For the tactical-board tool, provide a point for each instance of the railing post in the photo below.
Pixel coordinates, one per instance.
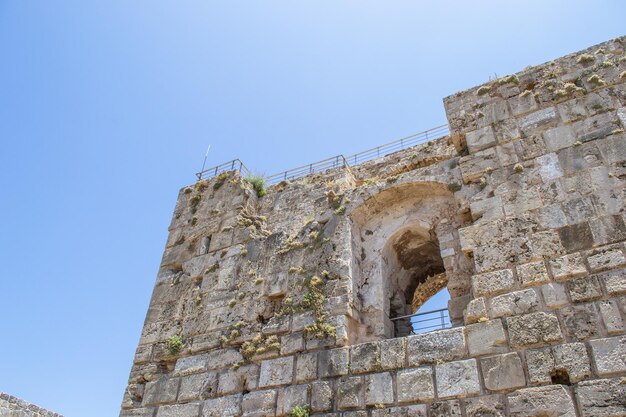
(443, 323)
(215, 171)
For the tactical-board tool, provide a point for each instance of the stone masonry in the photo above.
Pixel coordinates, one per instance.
(282, 304)
(11, 406)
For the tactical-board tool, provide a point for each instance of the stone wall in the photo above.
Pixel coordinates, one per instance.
(11, 406)
(266, 306)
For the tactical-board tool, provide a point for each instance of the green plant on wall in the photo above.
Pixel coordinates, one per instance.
(258, 184)
(174, 344)
(300, 411)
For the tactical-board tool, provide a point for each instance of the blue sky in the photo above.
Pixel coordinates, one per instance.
(107, 107)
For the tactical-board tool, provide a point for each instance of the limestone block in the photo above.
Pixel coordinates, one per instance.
(532, 273)
(333, 362)
(514, 303)
(134, 412)
(160, 391)
(485, 338)
(291, 397)
(488, 405)
(547, 243)
(567, 267)
(415, 384)
(190, 365)
(222, 358)
(276, 372)
(554, 295)
(602, 398)
(578, 209)
(480, 139)
(611, 316)
(571, 110)
(197, 386)
(533, 328)
(552, 400)
(537, 119)
(487, 209)
(451, 408)
(306, 367)
(349, 393)
(321, 396)
(584, 289)
(233, 381)
(418, 410)
(378, 389)
(291, 343)
(507, 154)
(276, 285)
(522, 104)
(457, 379)
(581, 321)
(607, 229)
(476, 310)
(179, 410)
(259, 403)
(576, 237)
(549, 167)
(442, 345)
(609, 355)
(222, 406)
(567, 363)
(607, 259)
(392, 353)
(476, 165)
(559, 138)
(365, 358)
(503, 372)
(614, 282)
(492, 283)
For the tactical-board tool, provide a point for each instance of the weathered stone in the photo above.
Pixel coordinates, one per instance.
(190, 365)
(197, 386)
(222, 406)
(533, 328)
(476, 310)
(552, 400)
(537, 119)
(584, 289)
(503, 372)
(581, 321)
(602, 398)
(163, 390)
(291, 397)
(607, 259)
(392, 353)
(415, 385)
(567, 267)
(492, 283)
(419, 410)
(365, 358)
(321, 396)
(576, 237)
(559, 138)
(179, 410)
(333, 362)
(614, 282)
(609, 355)
(306, 367)
(436, 346)
(234, 381)
(276, 372)
(562, 364)
(259, 403)
(485, 406)
(518, 302)
(457, 379)
(480, 139)
(349, 393)
(554, 295)
(378, 389)
(533, 273)
(611, 317)
(485, 338)
(451, 408)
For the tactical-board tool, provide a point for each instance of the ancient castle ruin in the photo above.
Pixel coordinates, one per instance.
(292, 300)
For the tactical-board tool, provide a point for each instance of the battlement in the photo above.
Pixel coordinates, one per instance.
(291, 301)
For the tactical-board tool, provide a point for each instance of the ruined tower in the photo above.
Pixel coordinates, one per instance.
(292, 300)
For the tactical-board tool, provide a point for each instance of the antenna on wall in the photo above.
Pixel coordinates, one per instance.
(206, 155)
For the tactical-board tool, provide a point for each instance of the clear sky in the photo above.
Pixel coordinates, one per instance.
(107, 107)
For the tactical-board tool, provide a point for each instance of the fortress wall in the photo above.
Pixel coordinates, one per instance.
(285, 301)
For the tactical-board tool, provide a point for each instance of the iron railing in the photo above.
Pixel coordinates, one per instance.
(234, 165)
(335, 161)
(432, 320)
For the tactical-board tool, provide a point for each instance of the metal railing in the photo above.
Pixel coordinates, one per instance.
(335, 161)
(234, 165)
(433, 320)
